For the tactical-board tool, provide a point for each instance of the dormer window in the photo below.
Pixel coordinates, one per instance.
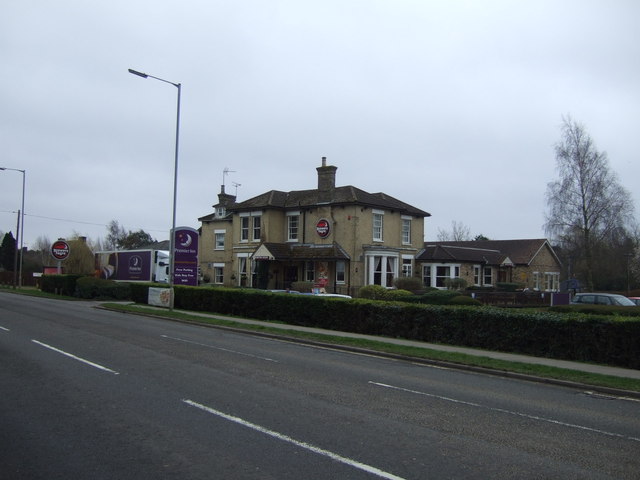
(221, 212)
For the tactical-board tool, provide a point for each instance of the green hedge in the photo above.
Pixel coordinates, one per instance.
(598, 310)
(89, 287)
(60, 284)
(101, 289)
(443, 297)
(603, 339)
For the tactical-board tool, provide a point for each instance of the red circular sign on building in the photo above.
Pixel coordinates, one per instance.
(60, 250)
(323, 228)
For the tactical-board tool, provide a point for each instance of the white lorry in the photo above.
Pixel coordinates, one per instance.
(133, 265)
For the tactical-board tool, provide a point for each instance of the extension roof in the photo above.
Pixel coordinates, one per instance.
(453, 253)
(519, 252)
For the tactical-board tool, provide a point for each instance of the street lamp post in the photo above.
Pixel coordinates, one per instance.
(21, 222)
(175, 183)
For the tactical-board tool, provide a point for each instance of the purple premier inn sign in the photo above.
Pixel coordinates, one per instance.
(185, 269)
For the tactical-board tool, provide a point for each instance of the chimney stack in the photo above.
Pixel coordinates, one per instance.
(326, 181)
(225, 199)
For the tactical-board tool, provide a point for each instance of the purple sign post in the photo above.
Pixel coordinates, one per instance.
(185, 263)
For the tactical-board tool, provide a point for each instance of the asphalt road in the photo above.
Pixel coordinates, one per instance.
(93, 394)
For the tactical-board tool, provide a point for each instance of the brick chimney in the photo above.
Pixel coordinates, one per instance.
(326, 181)
(225, 199)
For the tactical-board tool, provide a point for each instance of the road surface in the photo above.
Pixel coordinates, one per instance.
(88, 393)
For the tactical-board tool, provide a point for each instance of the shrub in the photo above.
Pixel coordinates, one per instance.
(411, 284)
(455, 283)
(397, 295)
(597, 310)
(91, 287)
(372, 292)
(438, 297)
(60, 284)
(464, 300)
(139, 292)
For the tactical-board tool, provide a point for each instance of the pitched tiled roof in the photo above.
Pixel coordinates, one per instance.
(211, 217)
(453, 253)
(301, 252)
(519, 251)
(341, 196)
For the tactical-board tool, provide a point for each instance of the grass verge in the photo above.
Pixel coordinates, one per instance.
(34, 292)
(543, 371)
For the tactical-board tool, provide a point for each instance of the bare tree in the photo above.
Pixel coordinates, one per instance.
(115, 235)
(42, 245)
(120, 239)
(586, 204)
(459, 233)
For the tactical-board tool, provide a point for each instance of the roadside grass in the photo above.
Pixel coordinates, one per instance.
(34, 292)
(454, 358)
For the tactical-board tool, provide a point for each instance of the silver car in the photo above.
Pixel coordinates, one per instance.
(601, 299)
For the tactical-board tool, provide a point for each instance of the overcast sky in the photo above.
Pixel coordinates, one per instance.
(451, 106)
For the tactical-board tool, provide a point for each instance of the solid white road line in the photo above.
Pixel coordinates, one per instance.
(510, 412)
(220, 348)
(306, 446)
(95, 365)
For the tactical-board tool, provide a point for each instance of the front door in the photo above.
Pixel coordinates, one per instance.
(290, 275)
(262, 274)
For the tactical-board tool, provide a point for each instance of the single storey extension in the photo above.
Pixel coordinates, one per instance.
(532, 264)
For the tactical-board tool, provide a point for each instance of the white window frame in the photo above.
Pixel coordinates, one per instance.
(243, 260)
(378, 225)
(443, 272)
(477, 279)
(218, 273)
(218, 234)
(426, 274)
(406, 230)
(430, 277)
(341, 268)
(256, 226)
(244, 227)
(250, 224)
(407, 266)
(309, 271)
(293, 231)
(487, 273)
(382, 267)
(551, 281)
(536, 281)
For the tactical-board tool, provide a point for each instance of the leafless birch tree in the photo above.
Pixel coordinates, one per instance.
(587, 202)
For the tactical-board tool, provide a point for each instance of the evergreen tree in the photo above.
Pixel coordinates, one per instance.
(8, 252)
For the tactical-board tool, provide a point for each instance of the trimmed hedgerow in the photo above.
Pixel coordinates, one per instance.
(99, 288)
(605, 339)
(60, 284)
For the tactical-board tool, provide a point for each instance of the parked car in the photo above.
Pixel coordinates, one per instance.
(602, 299)
(335, 295)
(635, 300)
